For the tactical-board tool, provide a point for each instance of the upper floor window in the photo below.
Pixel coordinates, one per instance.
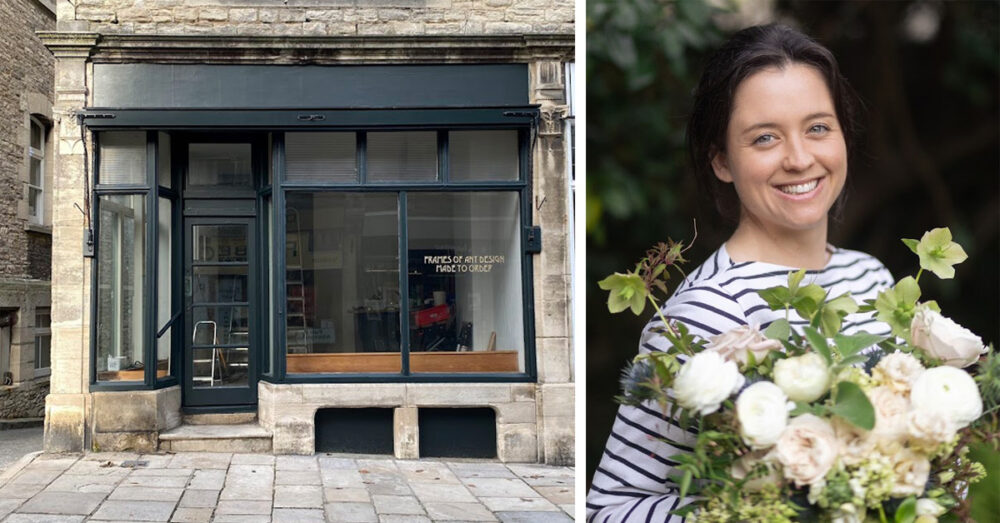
(36, 172)
(43, 338)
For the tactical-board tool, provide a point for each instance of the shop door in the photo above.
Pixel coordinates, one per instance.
(220, 345)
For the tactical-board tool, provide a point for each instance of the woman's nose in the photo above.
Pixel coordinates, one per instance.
(797, 156)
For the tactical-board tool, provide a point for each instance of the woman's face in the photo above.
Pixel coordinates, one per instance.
(785, 152)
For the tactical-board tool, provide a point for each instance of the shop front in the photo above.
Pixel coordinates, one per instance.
(301, 241)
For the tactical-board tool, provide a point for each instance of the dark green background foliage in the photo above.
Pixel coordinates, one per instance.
(929, 154)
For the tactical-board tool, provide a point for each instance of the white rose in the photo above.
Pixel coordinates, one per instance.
(948, 391)
(929, 507)
(802, 378)
(911, 471)
(897, 371)
(944, 339)
(762, 410)
(734, 344)
(890, 412)
(855, 443)
(929, 428)
(705, 381)
(807, 449)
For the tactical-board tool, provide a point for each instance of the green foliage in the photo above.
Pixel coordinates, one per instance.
(852, 405)
(937, 252)
(625, 291)
(896, 306)
(907, 511)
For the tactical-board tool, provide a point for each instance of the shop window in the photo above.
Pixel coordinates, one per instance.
(402, 157)
(121, 270)
(164, 287)
(321, 157)
(219, 165)
(36, 172)
(43, 339)
(464, 282)
(482, 156)
(122, 158)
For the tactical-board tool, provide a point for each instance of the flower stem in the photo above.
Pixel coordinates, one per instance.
(659, 313)
(881, 514)
(921, 271)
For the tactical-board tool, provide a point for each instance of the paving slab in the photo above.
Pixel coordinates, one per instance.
(201, 460)
(155, 481)
(199, 499)
(249, 482)
(83, 483)
(75, 503)
(8, 505)
(519, 504)
(499, 487)
(298, 496)
(397, 505)
(192, 515)
(146, 494)
(297, 515)
(296, 477)
(42, 518)
(296, 463)
(436, 492)
(533, 517)
(341, 494)
(241, 519)
(243, 508)
(557, 495)
(341, 478)
(252, 459)
(459, 512)
(20, 491)
(132, 511)
(351, 513)
(396, 518)
(207, 480)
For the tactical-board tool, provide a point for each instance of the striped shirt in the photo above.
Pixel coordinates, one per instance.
(631, 482)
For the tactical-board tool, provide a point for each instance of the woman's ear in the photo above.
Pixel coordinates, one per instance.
(721, 166)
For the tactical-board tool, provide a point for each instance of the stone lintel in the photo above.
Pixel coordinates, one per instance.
(323, 49)
(65, 44)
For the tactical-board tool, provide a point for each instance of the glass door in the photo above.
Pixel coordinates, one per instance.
(220, 351)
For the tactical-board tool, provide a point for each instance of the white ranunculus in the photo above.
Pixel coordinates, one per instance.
(911, 470)
(705, 381)
(890, 413)
(735, 343)
(929, 507)
(944, 339)
(948, 391)
(929, 428)
(762, 410)
(807, 449)
(897, 371)
(802, 378)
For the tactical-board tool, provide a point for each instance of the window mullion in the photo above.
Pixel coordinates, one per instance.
(404, 289)
(150, 296)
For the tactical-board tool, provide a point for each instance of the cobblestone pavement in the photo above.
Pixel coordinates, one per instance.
(203, 487)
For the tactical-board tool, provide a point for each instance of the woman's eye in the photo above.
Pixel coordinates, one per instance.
(819, 128)
(764, 139)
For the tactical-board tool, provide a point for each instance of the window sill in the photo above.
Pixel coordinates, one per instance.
(47, 371)
(35, 227)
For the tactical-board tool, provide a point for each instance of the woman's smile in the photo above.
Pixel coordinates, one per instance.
(799, 191)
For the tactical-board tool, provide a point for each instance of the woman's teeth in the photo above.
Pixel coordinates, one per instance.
(801, 188)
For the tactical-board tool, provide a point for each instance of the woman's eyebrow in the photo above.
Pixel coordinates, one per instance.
(768, 125)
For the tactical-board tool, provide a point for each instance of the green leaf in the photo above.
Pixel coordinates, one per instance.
(896, 306)
(939, 254)
(778, 330)
(850, 345)
(851, 360)
(908, 290)
(794, 279)
(833, 312)
(818, 342)
(807, 300)
(853, 406)
(685, 483)
(806, 408)
(912, 244)
(776, 297)
(907, 510)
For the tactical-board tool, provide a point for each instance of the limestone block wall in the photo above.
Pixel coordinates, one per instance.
(25, 400)
(318, 17)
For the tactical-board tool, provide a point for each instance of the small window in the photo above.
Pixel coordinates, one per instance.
(321, 157)
(123, 158)
(482, 156)
(402, 156)
(36, 172)
(43, 337)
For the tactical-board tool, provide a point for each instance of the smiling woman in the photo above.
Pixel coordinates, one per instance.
(770, 136)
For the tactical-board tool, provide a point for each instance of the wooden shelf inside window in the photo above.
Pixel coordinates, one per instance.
(389, 362)
(132, 375)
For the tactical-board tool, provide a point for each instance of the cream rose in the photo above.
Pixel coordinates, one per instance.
(802, 378)
(911, 471)
(762, 410)
(705, 381)
(890, 412)
(897, 371)
(855, 443)
(734, 344)
(950, 392)
(944, 339)
(742, 467)
(929, 428)
(807, 449)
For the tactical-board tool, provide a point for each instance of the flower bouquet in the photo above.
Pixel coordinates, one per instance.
(815, 424)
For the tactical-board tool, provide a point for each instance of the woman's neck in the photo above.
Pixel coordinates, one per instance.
(753, 241)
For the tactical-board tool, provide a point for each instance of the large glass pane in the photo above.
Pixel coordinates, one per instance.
(466, 308)
(482, 156)
(221, 284)
(219, 165)
(221, 325)
(35, 175)
(36, 134)
(321, 157)
(402, 156)
(342, 282)
(123, 158)
(163, 173)
(220, 243)
(121, 271)
(164, 288)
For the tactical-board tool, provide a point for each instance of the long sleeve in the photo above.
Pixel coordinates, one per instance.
(632, 482)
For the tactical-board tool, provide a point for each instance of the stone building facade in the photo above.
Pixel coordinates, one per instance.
(26, 96)
(463, 101)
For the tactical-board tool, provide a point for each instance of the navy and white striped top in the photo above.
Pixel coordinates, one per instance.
(631, 483)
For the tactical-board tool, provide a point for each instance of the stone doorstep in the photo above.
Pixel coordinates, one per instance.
(226, 418)
(244, 437)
